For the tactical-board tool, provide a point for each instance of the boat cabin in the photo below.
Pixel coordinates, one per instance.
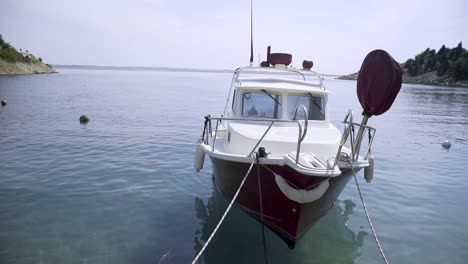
(265, 109)
(278, 98)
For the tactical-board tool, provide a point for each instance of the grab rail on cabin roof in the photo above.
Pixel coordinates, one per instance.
(286, 70)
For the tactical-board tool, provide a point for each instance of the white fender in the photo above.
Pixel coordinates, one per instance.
(369, 171)
(199, 156)
(301, 196)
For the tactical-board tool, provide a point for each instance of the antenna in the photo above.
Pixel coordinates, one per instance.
(251, 33)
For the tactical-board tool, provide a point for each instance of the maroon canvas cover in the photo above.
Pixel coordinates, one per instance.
(379, 82)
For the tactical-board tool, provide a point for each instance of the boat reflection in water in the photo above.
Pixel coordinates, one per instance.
(239, 239)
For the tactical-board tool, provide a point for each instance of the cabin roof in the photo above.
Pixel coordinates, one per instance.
(281, 84)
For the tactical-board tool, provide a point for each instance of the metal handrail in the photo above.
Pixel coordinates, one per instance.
(254, 119)
(286, 70)
(301, 137)
(344, 138)
(349, 132)
(238, 70)
(216, 134)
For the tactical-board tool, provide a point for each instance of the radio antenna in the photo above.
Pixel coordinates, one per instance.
(251, 33)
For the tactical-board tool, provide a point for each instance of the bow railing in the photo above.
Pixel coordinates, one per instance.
(207, 131)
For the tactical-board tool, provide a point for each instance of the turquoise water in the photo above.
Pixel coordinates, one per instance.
(122, 188)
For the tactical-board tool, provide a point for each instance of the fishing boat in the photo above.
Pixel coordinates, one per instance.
(276, 148)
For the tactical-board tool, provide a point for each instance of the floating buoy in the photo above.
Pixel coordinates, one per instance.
(446, 144)
(199, 156)
(84, 119)
(4, 102)
(369, 170)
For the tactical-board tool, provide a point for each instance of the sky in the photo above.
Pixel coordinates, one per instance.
(210, 34)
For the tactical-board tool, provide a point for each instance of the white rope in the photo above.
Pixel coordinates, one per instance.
(224, 215)
(368, 217)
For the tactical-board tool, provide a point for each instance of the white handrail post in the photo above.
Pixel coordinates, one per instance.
(301, 137)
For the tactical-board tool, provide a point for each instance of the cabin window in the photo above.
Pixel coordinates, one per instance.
(233, 99)
(261, 104)
(315, 106)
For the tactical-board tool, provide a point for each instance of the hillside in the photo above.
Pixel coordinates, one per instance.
(13, 61)
(444, 67)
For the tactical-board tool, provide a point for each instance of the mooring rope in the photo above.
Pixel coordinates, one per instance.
(224, 215)
(368, 217)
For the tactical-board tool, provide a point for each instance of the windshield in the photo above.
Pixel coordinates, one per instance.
(261, 104)
(315, 106)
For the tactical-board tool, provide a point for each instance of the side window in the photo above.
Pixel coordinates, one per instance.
(233, 100)
(315, 106)
(261, 104)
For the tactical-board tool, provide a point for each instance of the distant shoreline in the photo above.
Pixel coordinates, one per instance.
(131, 68)
(429, 78)
(167, 69)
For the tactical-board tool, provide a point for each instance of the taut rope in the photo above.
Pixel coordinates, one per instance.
(224, 215)
(368, 217)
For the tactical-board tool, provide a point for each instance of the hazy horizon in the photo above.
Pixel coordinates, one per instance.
(216, 35)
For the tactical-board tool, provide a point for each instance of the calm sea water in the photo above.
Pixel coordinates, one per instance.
(122, 189)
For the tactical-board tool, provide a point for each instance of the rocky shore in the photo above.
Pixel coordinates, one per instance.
(16, 68)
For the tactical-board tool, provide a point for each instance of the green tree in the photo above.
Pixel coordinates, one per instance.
(442, 51)
(26, 59)
(10, 54)
(442, 68)
(446, 61)
(465, 70)
(458, 68)
(431, 64)
(412, 67)
(460, 50)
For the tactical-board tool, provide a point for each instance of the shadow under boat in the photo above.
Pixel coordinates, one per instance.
(239, 239)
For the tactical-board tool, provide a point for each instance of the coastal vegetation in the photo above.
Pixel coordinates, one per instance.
(447, 66)
(10, 54)
(452, 63)
(13, 61)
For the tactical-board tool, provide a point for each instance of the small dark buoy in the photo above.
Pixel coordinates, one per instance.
(446, 144)
(4, 102)
(84, 119)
